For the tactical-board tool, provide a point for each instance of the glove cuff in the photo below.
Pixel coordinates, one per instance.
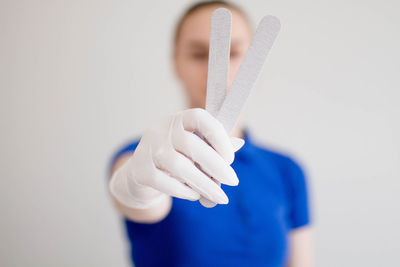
(132, 194)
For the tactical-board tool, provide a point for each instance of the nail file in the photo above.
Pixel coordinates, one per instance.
(218, 67)
(218, 59)
(227, 107)
(248, 72)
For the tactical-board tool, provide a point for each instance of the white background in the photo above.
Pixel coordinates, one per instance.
(80, 78)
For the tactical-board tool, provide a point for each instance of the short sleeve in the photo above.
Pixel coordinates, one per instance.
(298, 198)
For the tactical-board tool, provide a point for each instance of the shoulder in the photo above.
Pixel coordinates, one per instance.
(286, 163)
(288, 167)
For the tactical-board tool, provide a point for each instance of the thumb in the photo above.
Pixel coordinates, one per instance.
(237, 143)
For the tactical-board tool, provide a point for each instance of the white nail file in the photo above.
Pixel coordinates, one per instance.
(218, 59)
(227, 107)
(248, 72)
(218, 67)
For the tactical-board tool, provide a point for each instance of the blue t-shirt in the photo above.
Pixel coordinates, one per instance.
(251, 230)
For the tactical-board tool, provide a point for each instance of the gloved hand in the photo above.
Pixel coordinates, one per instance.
(177, 157)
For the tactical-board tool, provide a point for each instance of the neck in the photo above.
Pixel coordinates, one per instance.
(238, 131)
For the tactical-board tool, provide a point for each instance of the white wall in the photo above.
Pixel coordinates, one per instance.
(78, 78)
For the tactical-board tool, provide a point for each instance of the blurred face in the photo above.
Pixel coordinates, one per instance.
(191, 52)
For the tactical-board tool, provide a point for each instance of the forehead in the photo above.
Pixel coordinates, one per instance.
(196, 27)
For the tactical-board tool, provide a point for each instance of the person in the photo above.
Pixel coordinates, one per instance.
(263, 220)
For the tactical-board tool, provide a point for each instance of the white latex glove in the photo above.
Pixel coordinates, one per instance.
(173, 160)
